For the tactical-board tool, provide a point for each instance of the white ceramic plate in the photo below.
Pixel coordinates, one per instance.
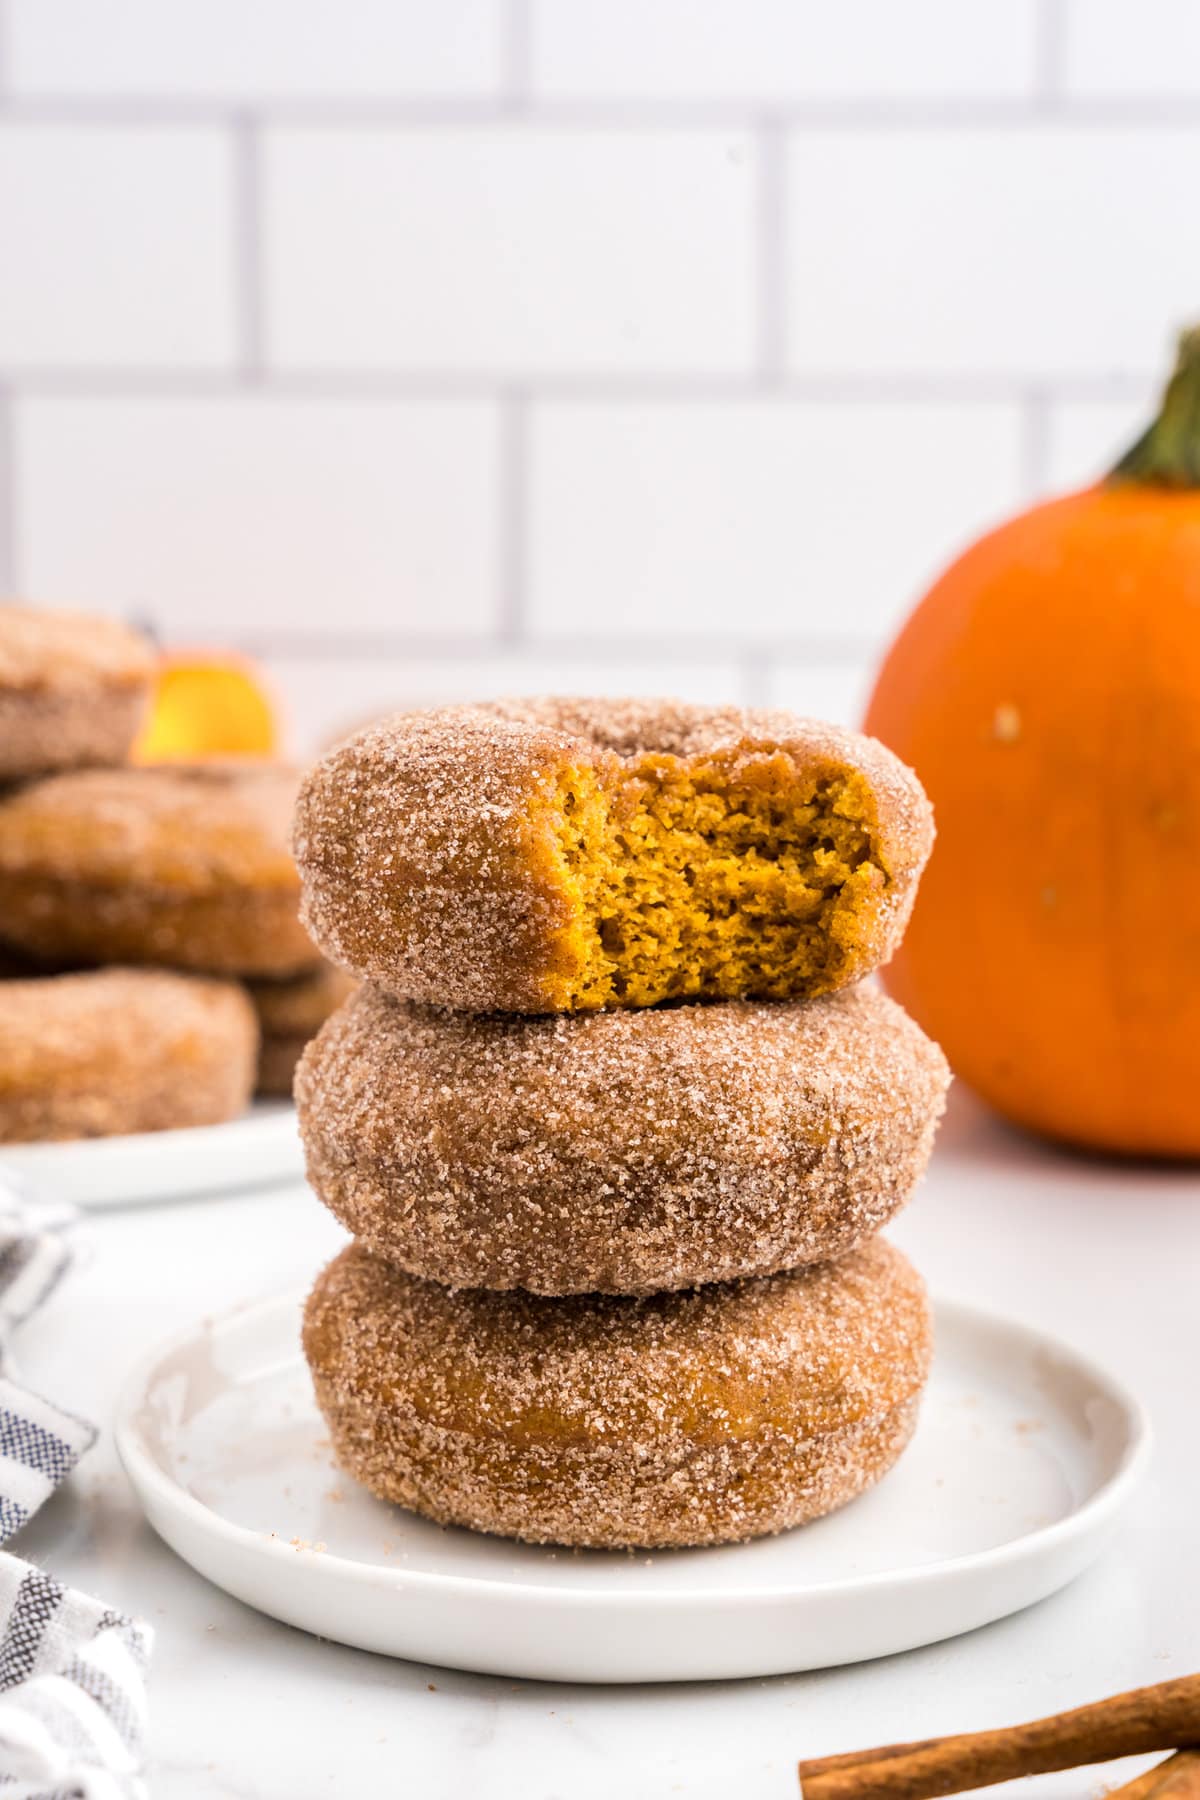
(1025, 1455)
(256, 1150)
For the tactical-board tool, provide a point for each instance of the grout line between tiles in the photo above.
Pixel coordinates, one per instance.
(1050, 54)
(829, 652)
(8, 497)
(960, 112)
(512, 516)
(1034, 452)
(771, 252)
(383, 385)
(248, 248)
(517, 76)
(755, 676)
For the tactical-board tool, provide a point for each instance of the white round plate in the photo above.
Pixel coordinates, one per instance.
(260, 1148)
(1025, 1455)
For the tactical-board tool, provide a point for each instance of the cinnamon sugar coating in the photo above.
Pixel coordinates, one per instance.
(184, 867)
(290, 1013)
(560, 855)
(73, 689)
(122, 1050)
(703, 1417)
(625, 1151)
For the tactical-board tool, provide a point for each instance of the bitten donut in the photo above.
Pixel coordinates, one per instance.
(121, 1050)
(624, 1151)
(567, 855)
(290, 1013)
(696, 1418)
(186, 867)
(72, 690)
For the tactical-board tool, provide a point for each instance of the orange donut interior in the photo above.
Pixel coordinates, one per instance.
(709, 877)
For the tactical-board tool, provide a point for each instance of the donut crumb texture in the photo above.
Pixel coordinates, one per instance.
(556, 855)
(698, 879)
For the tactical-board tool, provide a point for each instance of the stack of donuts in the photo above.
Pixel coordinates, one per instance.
(614, 1118)
(136, 904)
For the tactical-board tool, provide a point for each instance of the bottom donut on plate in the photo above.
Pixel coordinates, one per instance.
(699, 1417)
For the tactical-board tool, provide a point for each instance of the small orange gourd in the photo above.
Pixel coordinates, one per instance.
(1047, 692)
(207, 704)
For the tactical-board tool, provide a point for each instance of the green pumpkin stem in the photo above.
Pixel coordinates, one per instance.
(1168, 452)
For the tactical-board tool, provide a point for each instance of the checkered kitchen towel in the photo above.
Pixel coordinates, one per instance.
(72, 1671)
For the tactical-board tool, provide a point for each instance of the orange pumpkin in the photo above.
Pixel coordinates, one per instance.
(207, 704)
(1047, 691)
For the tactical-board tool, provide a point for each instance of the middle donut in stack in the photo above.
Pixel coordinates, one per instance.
(613, 1281)
(618, 1152)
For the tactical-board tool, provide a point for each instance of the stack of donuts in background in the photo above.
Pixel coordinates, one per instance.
(613, 1118)
(134, 903)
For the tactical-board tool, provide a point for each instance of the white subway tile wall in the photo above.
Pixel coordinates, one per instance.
(117, 246)
(519, 251)
(1089, 436)
(1156, 55)
(432, 351)
(367, 686)
(263, 514)
(755, 520)
(779, 50)
(257, 49)
(1046, 252)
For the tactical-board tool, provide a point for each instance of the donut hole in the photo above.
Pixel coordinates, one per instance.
(712, 878)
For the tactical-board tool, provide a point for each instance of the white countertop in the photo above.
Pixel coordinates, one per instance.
(246, 1709)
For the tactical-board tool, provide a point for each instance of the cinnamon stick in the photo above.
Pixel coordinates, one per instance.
(1164, 1717)
(1178, 1778)
(1144, 1785)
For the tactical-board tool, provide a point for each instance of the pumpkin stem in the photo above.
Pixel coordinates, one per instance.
(1168, 453)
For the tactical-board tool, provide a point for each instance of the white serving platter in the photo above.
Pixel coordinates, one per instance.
(257, 1150)
(1025, 1456)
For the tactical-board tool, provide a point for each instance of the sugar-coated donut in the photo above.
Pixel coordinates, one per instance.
(72, 690)
(291, 1010)
(565, 855)
(185, 867)
(691, 1418)
(122, 1050)
(621, 1151)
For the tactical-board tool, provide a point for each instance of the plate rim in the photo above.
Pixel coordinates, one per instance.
(146, 1475)
(176, 1136)
(260, 1148)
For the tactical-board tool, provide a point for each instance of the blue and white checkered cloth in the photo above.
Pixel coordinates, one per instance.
(72, 1671)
